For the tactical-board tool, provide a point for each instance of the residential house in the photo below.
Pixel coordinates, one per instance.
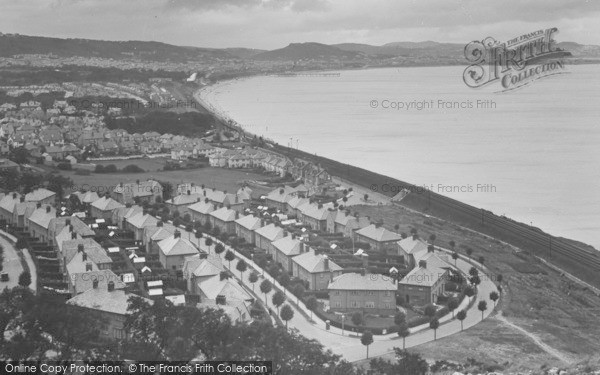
(246, 226)
(7, 207)
(377, 236)
(316, 270)
(137, 223)
(121, 214)
(367, 293)
(109, 305)
(41, 195)
(316, 216)
(224, 219)
(84, 281)
(21, 212)
(412, 249)
(140, 191)
(265, 236)
(103, 208)
(200, 211)
(196, 269)
(426, 282)
(181, 202)
(39, 223)
(286, 248)
(173, 251)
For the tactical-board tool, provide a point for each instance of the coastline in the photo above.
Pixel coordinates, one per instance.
(201, 95)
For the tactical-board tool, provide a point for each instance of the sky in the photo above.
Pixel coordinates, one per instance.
(271, 24)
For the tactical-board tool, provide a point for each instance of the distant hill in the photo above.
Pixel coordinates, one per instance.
(305, 51)
(415, 52)
(244, 53)
(14, 44)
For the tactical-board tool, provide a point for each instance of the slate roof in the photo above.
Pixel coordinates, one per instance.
(355, 281)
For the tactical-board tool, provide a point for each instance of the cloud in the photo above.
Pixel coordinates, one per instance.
(275, 23)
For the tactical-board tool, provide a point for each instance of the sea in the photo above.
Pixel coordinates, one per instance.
(531, 154)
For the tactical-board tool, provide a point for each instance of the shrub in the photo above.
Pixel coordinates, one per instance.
(64, 166)
(132, 168)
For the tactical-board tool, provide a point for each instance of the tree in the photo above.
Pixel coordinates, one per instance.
(403, 332)
(452, 305)
(461, 315)
(266, 287)
(481, 259)
(469, 291)
(208, 242)
(499, 278)
(432, 238)
(253, 278)
(399, 318)
(452, 245)
(219, 248)
(357, 318)
(396, 227)
(482, 306)
(494, 297)
(229, 256)
(434, 324)
(367, 339)
(286, 314)
(430, 310)
(25, 279)
(198, 236)
(242, 267)
(299, 291)
(469, 252)
(473, 271)
(311, 304)
(430, 248)
(278, 299)
(475, 280)
(455, 257)
(366, 197)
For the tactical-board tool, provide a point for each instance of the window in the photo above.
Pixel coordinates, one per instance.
(370, 305)
(118, 333)
(371, 292)
(388, 306)
(322, 275)
(337, 292)
(338, 304)
(387, 293)
(354, 304)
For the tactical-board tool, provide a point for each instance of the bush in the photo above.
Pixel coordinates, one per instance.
(132, 168)
(64, 166)
(111, 168)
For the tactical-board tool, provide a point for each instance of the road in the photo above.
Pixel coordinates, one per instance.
(350, 347)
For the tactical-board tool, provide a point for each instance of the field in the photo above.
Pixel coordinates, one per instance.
(219, 178)
(563, 315)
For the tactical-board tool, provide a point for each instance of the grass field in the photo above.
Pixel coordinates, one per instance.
(219, 178)
(564, 315)
(489, 342)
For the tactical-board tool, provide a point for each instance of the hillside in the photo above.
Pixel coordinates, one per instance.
(14, 44)
(308, 51)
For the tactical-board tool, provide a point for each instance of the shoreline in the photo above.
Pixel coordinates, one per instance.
(225, 119)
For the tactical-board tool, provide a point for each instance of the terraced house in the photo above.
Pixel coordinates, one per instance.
(246, 226)
(266, 235)
(316, 270)
(224, 219)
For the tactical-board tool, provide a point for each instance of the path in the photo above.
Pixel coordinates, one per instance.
(12, 263)
(545, 347)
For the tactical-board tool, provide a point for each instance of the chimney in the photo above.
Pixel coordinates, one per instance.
(95, 284)
(111, 286)
(302, 248)
(14, 195)
(237, 215)
(197, 199)
(285, 233)
(177, 234)
(88, 266)
(293, 236)
(22, 199)
(363, 272)
(84, 258)
(205, 193)
(189, 192)
(414, 237)
(326, 263)
(38, 205)
(73, 235)
(68, 222)
(70, 228)
(205, 199)
(160, 223)
(80, 248)
(221, 300)
(365, 260)
(320, 205)
(422, 264)
(48, 208)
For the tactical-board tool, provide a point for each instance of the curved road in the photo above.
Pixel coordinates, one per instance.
(350, 347)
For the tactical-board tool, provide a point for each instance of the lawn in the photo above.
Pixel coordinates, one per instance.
(219, 178)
